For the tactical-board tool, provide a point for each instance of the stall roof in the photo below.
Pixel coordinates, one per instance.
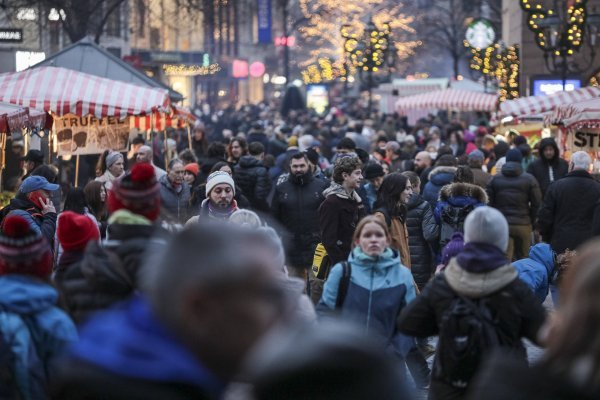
(86, 56)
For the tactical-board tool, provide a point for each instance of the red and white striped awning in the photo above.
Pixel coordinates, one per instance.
(64, 91)
(540, 104)
(158, 121)
(14, 118)
(582, 114)
(448, 99)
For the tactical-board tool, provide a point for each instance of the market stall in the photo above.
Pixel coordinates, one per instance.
(448, 99)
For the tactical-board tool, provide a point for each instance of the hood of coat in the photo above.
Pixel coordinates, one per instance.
(104, 270)
(545, 143)
(543, 254)
(459, 189)
(25, 295)
(442, 175)
(388, 259)
(339, 191)
(129, 341)
(414, 201)
(249, 162)
(512, 169)
(477, 285)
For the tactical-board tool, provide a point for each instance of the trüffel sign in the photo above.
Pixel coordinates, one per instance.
(588, 140)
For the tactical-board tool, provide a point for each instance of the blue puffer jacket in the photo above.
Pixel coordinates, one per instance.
(34, 330)
(380, 287)
(438, 178)
(537, 270)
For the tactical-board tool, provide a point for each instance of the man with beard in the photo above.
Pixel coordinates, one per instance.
(296, 205)
(175, 193)
(423, 167)
(219, 203)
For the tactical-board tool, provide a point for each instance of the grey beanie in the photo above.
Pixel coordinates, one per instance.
(487, 225)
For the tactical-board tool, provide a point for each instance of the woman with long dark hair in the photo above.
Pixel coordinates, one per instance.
(95, 196)
(237, 148)
(392, 196)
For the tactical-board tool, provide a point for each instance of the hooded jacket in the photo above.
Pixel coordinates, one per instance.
(253, 178)
(126, 353)
(511, 302)
(516, 194)
(380, 287)
(460, 195)
(540, 168)
(423, 232)
(40, 223)
(34, 331)
(438, 177)
(537, 270)
(339, 214)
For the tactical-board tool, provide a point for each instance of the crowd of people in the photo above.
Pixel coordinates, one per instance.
(305, 257)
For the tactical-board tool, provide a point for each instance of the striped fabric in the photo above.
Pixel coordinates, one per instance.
(582, 114)
(158, 121)
(14, 118)
(540, 104)
(448, 99)
(63, 91)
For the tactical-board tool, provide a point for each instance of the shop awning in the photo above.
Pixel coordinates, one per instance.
(582, 114)
(63, 91)
(158, 121)
(448, 99)
(539, 104)
(14, 118)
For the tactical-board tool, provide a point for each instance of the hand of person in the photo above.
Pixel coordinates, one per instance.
(47, 206)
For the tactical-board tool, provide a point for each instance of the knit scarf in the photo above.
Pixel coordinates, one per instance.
(481, 257)
(220, 214)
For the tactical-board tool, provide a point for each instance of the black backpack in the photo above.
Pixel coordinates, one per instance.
(344, 285)
(452, 220)
(468, 331)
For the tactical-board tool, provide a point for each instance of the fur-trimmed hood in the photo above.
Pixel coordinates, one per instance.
(460, 189)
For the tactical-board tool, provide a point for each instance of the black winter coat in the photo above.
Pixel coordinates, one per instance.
(423, 233)
(296, 205)
(253, 178)
(516, 194)
(565, 219)
(540, 168)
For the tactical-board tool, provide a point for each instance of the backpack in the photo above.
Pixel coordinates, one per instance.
(344, 285)
(452, 220)
(467, 332)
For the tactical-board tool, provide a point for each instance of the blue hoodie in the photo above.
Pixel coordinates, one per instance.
(35, 330)
(128, 341)
(379, 288)
(537, 270)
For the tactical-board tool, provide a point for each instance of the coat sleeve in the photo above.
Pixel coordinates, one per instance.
(263, 184)
(418, 317)
(429, 225)
(328, 223)
(535, 198)
(545, 217)
(275, 205)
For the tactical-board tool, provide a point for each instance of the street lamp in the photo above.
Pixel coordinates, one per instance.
(561, 32)
(367, 53)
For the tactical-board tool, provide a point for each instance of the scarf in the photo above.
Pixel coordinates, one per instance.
(220, 214)
(339, 191)
(481, 257)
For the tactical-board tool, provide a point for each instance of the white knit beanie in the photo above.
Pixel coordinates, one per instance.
(217, 178)
(487, 225)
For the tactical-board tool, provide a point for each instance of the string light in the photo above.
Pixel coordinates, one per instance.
(191, 70)
(501, 65)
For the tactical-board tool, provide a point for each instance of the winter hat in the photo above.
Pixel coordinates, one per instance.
(112, 158)
(476, 155)
(453, 247)
(75, 231)
(514, 155)
(487, 225)
(23, 250)
(519, 140)
(292, 141)
(193, 168)
(217, 178)
(373, 170)
(137, 191)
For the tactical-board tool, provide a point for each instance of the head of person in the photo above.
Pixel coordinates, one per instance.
(464, 175)
(391, 150)
(548, 149)
(487, 225)
(199, 133)
(475, 159)
(222, 166)
(373, 172)
(313, 158)
(415, 181)
(114, 163)
(33, 159)
(50, 172)
(215, 287)
(514, 155)
(386, 167)
(394, 193)
(75, 231)
(137, 191)
(217, 150)
(95, 196)
(422, 161)
(371, 236)
(580, 160)
(237, 148)
(76, 201)
(446, 160)
(345, 146)
(144, 154)
(256, 150)
(175, 172)
(347, 172)
(23, 251)
(220, 189)
(299, 166)
(190, 172)
(37, 190)
(187, 156)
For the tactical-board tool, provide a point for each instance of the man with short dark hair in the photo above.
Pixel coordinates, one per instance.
(296, 204)
(175, 193)
(252, 177)
(33, 159)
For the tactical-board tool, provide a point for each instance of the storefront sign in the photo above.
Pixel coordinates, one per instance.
(550, 86)
(264, 21)
(90, 135)
(239, 69)
(588, 140)
(9, 35)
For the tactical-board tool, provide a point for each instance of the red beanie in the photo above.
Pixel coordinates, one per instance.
(23, 250)
(137, 191)
(194, 168)
(75, 231)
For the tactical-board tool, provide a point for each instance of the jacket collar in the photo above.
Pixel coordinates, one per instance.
(579, 173)
(478, 285)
